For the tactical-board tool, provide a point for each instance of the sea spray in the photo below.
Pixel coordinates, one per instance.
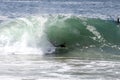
(25, 35)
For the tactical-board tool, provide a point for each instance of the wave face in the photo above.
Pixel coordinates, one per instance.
(44, 34)
(83, 31)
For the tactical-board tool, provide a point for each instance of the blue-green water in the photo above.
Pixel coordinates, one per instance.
(30, 48)
(59, 40)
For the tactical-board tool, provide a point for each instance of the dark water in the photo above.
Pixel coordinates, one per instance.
(90, 8)
(32, 32)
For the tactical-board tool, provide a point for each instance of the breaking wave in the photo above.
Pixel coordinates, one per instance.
(46, 34)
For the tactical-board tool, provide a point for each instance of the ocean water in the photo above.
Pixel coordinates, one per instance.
(59, 40)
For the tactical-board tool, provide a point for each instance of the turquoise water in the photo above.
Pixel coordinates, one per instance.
(45, 34)
(59, 40)
(30, 48)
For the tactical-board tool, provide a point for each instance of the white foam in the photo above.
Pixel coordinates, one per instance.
(9, 78)
(95, 32)
(27, 31)
(3, 17)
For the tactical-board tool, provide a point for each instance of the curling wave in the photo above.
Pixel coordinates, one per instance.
(46, 34)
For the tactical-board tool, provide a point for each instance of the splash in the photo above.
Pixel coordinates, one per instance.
(24, 36)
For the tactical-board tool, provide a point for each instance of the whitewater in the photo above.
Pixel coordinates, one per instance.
(59, 40)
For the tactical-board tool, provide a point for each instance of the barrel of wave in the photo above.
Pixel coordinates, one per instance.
(73, 31)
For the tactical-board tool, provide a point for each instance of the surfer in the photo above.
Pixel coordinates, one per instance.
(63, 45)
(118, 20)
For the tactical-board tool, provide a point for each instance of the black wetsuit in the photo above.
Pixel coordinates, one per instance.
(118, 20)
